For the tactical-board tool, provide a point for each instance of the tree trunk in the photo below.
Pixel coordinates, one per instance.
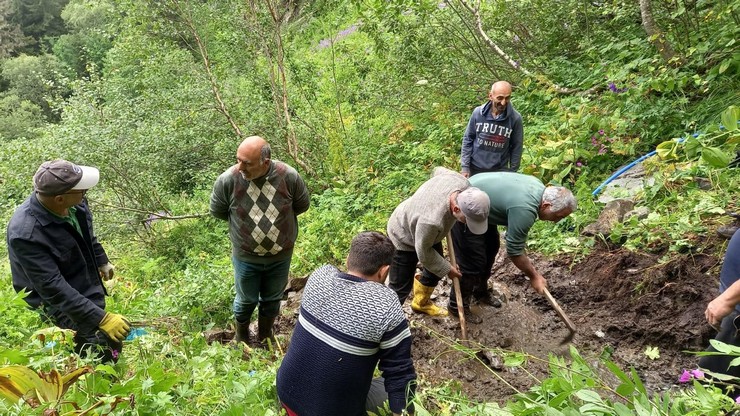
(656, 36)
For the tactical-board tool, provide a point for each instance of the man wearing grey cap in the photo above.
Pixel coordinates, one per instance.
(55, 256)
(419, 224)
(517, 201)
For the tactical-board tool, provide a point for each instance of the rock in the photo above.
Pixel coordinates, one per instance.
(297, 283)
(612, 214)
(494, 361)
(640, 212)
(627, 185)
(468, 375)
(506, 342)
(500, 292)
(703, 183)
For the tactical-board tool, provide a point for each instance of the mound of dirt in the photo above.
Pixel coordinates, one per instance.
(621, 303)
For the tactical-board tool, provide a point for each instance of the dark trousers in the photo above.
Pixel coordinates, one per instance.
(376, 398)
(402, 273)
(475, 255)
(88, 339)
(728, 333)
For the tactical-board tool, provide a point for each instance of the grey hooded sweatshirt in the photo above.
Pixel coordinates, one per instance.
(492, 144)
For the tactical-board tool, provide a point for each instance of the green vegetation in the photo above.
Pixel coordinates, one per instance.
(363, 97)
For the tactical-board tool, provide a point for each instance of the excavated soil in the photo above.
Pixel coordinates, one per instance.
(620, 302)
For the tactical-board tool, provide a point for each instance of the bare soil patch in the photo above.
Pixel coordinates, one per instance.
(620, 302)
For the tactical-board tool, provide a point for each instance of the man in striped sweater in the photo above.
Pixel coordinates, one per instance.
(349, 323)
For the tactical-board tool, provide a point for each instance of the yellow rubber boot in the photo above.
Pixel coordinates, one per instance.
(421, 302)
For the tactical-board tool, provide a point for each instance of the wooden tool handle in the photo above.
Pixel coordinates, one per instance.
(559, 310)
(456, 285)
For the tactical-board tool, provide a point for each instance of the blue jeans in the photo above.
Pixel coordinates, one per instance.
(261, 284)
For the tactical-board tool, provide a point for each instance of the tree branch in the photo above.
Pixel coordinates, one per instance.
(203, 51)
(475, 11)
(281, 101)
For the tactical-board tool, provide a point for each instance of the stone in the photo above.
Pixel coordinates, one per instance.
(703, 183)
(612, 214)
(627, 185)
(640, 212)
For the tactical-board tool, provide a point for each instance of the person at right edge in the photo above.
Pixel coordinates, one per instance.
(724, 310)
(493, 140)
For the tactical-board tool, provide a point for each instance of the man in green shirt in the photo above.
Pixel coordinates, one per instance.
(517, 201)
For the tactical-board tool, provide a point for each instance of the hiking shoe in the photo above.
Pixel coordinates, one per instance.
(488, 299)
(727, 231)
(470, 317)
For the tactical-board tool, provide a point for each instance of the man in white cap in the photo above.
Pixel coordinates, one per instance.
(419, 224)
(55, 256)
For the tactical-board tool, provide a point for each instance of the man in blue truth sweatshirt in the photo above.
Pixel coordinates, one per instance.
(493, 139)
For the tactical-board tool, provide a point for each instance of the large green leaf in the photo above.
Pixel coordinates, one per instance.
(667, 150)
(715, 157)
(20, 382)
(692, 146)
(730, 117)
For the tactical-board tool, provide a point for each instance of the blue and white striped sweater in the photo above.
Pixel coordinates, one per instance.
(347, 326)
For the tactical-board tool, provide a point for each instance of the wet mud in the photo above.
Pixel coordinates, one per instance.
(621, 303)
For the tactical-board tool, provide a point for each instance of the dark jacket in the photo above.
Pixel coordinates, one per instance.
(57, 265)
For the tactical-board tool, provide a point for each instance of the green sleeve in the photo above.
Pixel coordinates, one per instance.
(520, 220)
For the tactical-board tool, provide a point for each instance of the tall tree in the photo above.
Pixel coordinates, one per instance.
(40, 20)
(656, 35)
(11, 35)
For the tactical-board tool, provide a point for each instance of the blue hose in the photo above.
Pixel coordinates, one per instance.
(620, 172)
(630, 166)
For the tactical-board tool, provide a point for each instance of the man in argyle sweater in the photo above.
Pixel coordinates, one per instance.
(261, 199)
(349, 323)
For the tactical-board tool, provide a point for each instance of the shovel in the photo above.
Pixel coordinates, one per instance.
(456, 285)
(563, 316)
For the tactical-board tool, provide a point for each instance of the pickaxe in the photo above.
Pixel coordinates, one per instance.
(563, 316)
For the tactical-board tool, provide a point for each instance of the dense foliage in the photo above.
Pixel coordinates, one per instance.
(364, 97)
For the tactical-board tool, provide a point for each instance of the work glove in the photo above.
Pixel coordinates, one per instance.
(106, 271)
(115, 326)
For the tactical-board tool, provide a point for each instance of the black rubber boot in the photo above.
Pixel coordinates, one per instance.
(264, 328)
(470, 317)
(487, 298)
(242, 331)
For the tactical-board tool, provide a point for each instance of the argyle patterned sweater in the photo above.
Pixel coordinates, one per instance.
(347, 326)
(262, 213)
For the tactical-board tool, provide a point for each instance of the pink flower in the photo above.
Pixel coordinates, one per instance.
(602, 149)
(579, 164)
(601, 132)
(737, 400)
(697, 374)
(115, 353)
(685, 377)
